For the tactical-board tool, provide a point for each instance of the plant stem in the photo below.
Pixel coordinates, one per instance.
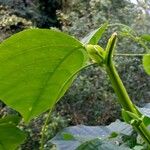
(125, 101)
(44, 129)
(120, 90)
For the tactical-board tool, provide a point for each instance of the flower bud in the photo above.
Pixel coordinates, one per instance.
(96, 53)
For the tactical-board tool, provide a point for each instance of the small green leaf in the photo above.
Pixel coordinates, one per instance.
(146, 121)
(95, 35)
(34, 67)
(125, 116)
(138, 147)
(146, 37)
(67, 136)
(146, 63)
(113, 135)
(10, 136)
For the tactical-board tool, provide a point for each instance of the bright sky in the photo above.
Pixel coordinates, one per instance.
(133, 1)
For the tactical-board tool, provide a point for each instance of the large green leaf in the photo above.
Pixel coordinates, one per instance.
(94, 36)
(146, 63)
(36, 68)
(10, 136)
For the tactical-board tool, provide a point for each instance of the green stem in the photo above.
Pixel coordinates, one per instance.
(138, 40)
(146, 133)
(134, 38)
(125, 101)
(120, 89)
(44, 129)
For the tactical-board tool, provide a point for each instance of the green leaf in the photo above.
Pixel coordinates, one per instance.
(146, 37)
(128, 116)
(125, 116)
(36, 68)
(146, 120)
(138, 147)
(146, 63)
(11, 119)
(10, 136)
(67, 136)
(95, 35)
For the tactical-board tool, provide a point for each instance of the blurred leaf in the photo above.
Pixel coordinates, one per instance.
(95, 36)
(10, 136)
(37, 67)
(138, 148)
(67, 136)
(146, 37)
(146, 120)
(125, 116)
(11, 119)
(113, 135)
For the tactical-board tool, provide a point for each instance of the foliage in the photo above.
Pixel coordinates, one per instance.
(118, 133)
(81, 18)
(40, 13)
(55, 124)
(40, 69)
(11, 23)
(34, 85)
(11, 137)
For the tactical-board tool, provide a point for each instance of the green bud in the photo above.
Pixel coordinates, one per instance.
(96, 53)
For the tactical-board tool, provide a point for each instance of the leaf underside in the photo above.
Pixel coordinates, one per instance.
(10, 136)
(94, 37)
(34, 67)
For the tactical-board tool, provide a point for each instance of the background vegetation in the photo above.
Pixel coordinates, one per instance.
(91, 99)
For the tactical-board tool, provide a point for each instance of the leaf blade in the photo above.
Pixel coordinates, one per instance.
(10, 136)
(95, 35)
(34, 64)
(146, 37)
